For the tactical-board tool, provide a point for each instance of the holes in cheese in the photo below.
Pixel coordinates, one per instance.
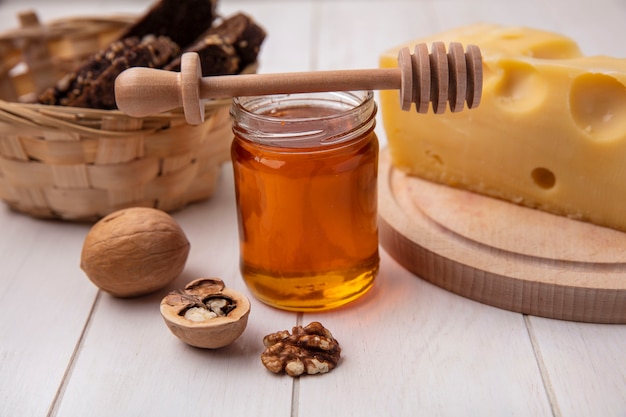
(543, 177)
(520, 87)
(598, 106)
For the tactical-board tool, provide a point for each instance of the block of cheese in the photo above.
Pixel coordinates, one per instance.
(550, 131)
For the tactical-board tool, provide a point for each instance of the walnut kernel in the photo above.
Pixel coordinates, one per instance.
(311, 349)
(206, 314)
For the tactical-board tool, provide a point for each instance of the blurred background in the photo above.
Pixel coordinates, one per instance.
(334, 34)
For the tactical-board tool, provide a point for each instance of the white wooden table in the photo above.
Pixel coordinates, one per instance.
(409, 348)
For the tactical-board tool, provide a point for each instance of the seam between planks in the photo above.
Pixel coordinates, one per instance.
(545, 378)
(314, 52)
(58, 396)
(295, 386)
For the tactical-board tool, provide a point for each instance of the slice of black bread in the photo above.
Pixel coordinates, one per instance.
(73, 83)
(183, 21)
(99, 93)
(241, 31)
(92, 85)
(216, 57)
(227, 47)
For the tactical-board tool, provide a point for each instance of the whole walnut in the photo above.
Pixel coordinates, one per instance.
(134, 251)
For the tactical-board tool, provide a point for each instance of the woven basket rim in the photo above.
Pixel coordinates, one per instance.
(43, 116)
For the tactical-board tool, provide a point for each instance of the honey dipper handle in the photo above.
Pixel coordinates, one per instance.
(299, 82)
(437, 77)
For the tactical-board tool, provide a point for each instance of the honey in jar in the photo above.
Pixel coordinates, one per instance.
(305, 169)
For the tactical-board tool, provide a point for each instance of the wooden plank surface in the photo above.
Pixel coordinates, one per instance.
(408, 347)
(583, 365)
(45, 304)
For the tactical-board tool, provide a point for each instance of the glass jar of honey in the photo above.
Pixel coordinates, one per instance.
(305, 169)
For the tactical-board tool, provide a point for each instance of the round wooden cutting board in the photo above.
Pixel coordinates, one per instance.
(501, 254)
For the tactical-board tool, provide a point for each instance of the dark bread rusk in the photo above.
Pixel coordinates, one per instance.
(216, 57)
(227, 47)
(71, 85)
(241, 31)
(152, 52)
(183, 21)
(92, 85)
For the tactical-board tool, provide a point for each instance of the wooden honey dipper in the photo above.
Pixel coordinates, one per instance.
(422, 77)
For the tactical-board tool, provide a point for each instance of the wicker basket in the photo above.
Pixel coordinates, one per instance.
(81, 164)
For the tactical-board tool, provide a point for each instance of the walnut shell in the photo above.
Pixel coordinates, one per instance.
(214, 332)
(134, 251)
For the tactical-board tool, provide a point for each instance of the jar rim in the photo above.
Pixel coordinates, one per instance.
(348, 101)
(258, 118)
